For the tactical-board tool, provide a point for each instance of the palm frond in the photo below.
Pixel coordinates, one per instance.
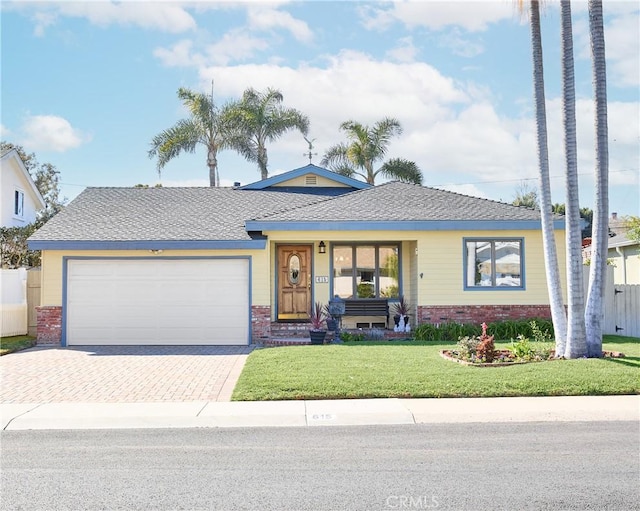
(402, 170)
(181, 137)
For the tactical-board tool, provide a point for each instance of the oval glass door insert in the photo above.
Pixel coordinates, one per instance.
(294, 269)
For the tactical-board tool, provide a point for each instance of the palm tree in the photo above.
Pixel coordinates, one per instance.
(594, 309)
(207, 125)
(260, 118)
(558, 314)
(576, 335)
(366, 146)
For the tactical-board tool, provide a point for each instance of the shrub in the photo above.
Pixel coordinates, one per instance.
(352, 337)
(486, 350)
(538, 329)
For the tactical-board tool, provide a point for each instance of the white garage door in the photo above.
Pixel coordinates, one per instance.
(162, 301)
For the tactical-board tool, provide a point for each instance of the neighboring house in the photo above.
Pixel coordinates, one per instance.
(624, 253)
(20, 199)
(234, 265)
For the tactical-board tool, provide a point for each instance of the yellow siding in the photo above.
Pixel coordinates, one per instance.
(52, 268)
(320, 181)
(626, 264)
(439, 259)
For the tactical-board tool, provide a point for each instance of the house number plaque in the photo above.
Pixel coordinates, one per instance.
(322, 279)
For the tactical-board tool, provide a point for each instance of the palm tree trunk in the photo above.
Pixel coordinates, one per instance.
(558, 314)
(600, 233)
(262, 162)
(212, 163)
(576, 336)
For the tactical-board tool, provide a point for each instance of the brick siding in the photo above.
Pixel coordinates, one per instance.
(49, 329)
(478, 313)
(260, 323)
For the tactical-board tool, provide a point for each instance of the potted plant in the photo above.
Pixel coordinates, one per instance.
(317, 320)
(332, 324)
(401, 315)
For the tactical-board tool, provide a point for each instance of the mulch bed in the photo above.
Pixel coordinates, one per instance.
(506, 358)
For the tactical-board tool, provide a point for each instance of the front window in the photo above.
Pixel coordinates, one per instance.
(366, 271)
(493, 263)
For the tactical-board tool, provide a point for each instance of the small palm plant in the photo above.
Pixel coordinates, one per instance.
(317, 319)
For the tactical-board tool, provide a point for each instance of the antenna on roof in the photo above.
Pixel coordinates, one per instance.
(310, 154)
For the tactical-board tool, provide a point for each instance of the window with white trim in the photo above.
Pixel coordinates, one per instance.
(18, 204)
(493, 263)
(366, 270)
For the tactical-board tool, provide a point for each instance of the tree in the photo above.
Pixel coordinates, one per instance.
(526, 196)
(46, 178)
(554, 289)
(366, 146)
(594, 311)
(586, 214)
(576, 345)
(14, 250)
(208, 125)
(259, 118)
(632, 224)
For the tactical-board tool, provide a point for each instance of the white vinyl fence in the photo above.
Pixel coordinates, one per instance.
(13, 302)
(621, 306)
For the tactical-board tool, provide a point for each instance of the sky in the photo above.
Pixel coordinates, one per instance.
(86, 86)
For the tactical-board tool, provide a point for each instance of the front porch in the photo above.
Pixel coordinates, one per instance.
(297, 334)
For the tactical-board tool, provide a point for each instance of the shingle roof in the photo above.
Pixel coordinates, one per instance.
(129, 214)
(219, 214)
(397, 201)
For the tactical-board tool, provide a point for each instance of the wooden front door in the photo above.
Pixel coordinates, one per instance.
(294, 281)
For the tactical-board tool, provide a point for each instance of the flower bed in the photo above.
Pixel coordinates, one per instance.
(507, 358)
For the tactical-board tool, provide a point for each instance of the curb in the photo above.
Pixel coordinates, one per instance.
(348, 412)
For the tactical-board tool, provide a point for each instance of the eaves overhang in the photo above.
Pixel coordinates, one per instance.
(403, 225)
(253, 244)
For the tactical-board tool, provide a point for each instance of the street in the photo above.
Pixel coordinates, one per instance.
(550, 465)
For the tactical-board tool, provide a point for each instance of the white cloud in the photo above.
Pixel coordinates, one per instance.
(235, 46)
(179, 55)
(263, 17)
(43, 20)
(4, 131)
(164, 16)
(50, 132)
(450, 128)
(470, 15)
(404, 52)
(621, 34)
(460, 45)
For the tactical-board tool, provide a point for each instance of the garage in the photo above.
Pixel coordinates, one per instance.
(158, 301)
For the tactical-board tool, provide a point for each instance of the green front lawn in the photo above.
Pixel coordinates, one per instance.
(15, 343)
(415, 369)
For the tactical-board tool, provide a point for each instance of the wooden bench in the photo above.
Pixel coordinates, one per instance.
(367, 307)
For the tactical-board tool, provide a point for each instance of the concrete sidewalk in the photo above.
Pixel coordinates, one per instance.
(316, 413)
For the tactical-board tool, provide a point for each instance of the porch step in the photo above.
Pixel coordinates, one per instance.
(289, 330)
(287, 342)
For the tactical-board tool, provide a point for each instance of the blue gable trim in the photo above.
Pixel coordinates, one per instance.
(307, 169)
(407, 225)
(255, 244)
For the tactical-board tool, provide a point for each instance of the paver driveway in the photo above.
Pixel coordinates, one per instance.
(129, 374)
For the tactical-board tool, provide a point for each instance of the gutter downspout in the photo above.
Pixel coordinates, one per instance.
(624, 264)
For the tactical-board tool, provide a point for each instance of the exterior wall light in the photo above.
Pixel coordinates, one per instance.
(322, 248)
